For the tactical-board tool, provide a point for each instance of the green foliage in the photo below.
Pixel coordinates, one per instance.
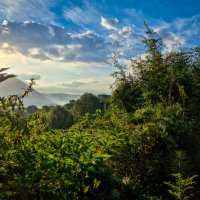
(70, 105)
(181, 163)
(31, 109)
(60, 118)
(47, 164)
(137, 151)
(181, 188)
(52, 165)
(88, 103)
(147, 130)
(160, 94)
(12, 113)
(127, 91)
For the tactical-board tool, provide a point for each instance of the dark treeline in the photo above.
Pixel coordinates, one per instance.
(142, 142)
(63, 117)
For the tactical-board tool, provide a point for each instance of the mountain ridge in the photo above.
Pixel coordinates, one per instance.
(14, 86)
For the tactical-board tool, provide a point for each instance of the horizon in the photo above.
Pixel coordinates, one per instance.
(65, 45)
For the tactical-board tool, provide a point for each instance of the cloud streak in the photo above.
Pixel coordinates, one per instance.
(87, 14)
(27, 77)
(33, 10)
(78, 83)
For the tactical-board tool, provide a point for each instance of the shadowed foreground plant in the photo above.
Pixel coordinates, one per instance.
(5, 76)
(181, 188)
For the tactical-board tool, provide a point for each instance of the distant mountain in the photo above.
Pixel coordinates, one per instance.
(14, 86)
(60, 98)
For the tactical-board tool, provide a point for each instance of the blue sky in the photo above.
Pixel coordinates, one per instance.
(65, 45)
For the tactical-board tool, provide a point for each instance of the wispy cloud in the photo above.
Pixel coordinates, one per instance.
(134, 16)
(170, 39)
(86, 14)
(180, 32)
(33, 10)
(78, 83)
(189, 28)
(26, 77)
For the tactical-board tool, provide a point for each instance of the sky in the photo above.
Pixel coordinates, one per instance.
(66, 45)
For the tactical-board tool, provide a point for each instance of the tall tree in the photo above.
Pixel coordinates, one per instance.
(60, 118)
(88, 103)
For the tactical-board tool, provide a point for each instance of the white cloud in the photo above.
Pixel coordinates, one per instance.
(72, 84)
(134, 16)
(5, 45)
(25, 22)
(189, 27)
(80, 83)
(27, 10)
(86, 14)
(26, 77)
(45, 42)
(5, 22)
(114, 37)
(127, 43)
(95, 75)
(182, 31)
(126, 30)
(172, 40)
(74, 46)
(109, 23)
(34, 51)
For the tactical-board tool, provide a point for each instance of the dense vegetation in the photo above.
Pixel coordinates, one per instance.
(142, 143)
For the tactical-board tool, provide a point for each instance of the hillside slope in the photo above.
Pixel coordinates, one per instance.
(14, 86)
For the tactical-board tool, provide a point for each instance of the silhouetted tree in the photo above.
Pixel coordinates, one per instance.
(70, 105)
(60, 118)
(31, 109)
(88, 103)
